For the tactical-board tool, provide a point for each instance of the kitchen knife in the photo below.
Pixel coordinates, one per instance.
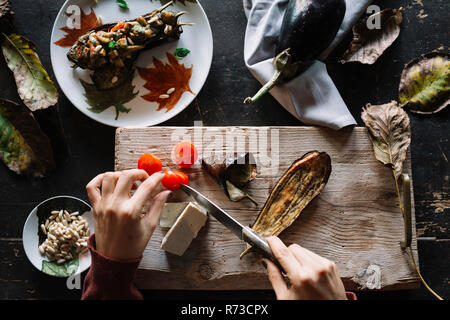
(242, 232)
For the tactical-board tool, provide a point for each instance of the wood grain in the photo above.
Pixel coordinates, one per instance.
(355, 221)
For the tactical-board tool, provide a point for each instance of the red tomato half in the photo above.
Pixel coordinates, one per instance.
(171, 180)
(149, 163)
(183, 177)
(185, 154)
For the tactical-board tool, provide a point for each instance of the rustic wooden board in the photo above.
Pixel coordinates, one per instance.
(355, 221)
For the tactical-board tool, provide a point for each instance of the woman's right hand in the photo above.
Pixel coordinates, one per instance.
(311, 277)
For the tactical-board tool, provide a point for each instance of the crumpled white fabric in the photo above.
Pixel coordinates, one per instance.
(312, 96)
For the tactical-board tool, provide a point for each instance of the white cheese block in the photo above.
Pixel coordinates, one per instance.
(170, 213)
(185, 229)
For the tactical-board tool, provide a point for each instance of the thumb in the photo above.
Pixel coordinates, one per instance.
(276, 279)
(152, 216)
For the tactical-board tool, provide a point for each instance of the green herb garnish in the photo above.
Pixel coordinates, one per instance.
(181, 52)
(122, 3)
(111, 44)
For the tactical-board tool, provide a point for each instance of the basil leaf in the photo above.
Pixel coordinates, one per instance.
(122, 3)
(111, 44)
(181, 52)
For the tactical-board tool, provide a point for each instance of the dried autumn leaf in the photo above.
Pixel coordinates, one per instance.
(6, 16)
(24, 148)
(87, 23)
(390, 132)
(425, 84)
(100, 100)
(369, 44)
(299, 185)
(163, 77)
(35, 87)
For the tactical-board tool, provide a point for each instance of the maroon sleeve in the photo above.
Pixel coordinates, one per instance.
(351, 296)
(109, 278)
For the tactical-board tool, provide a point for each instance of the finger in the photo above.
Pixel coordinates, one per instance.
(109, 183)
(147, 190)
(93, 189)
(276, 278)
(127, 179)
(156, 207)
(303, 255)
(284, 256)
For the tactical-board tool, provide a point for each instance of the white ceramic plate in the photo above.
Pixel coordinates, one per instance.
(30, 230)
(197, 38)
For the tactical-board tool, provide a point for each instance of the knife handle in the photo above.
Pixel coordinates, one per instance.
(260, 244)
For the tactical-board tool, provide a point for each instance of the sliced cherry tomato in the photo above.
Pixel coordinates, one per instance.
(149, 163)
(183, 177)
(118, 26)
(185, 154)
(171, 180)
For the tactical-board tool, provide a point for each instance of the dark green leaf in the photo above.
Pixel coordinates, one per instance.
(64, 270)
(181, 52)
(24, 148)
(122, 3)
(111, 44)
(100, 100)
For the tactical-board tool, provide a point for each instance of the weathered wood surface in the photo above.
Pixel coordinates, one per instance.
(355, 222)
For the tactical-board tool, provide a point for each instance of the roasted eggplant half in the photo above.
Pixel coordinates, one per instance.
(299, 185)
(308, 28)
(232, 173)
(111, 49)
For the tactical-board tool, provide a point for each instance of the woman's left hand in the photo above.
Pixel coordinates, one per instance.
(122, 231)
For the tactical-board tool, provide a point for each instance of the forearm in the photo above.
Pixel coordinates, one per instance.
(109, 278)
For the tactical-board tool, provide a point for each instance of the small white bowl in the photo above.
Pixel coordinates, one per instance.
(31, 228)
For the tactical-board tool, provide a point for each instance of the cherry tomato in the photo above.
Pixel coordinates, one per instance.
(183, 177)
(149, 163)
(171, 180)
(185, 154)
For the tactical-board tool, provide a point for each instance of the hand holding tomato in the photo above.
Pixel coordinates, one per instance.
(173, 179)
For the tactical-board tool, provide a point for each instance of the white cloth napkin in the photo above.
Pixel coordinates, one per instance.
(312, 96)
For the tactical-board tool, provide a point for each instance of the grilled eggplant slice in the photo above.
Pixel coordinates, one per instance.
(233, 172)
(301, 183)
(115, 44)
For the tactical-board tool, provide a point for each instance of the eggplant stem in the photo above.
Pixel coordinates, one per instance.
(251, 199)
(245, 252)
(266, 88)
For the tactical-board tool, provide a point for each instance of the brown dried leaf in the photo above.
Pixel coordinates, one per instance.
(87, 23)
(163, 77)
(369, 44)
(390, 132)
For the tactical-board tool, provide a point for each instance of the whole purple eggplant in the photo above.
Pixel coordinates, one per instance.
(308, 28)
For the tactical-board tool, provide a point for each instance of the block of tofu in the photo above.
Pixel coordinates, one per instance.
(185, 229)
(170, 213)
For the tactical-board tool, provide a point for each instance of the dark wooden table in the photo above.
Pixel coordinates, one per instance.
(220, 103)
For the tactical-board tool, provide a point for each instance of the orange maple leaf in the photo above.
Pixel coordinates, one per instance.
(163, 77)
(87, 22)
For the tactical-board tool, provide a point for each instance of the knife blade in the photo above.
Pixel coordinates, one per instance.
(242, 232)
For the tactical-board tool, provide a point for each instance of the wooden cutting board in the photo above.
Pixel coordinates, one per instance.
(355, 221)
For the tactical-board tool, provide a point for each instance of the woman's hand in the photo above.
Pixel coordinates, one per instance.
(122, 231)
(311, 277)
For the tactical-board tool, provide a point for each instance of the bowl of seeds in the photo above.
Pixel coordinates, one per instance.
(55, 236)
